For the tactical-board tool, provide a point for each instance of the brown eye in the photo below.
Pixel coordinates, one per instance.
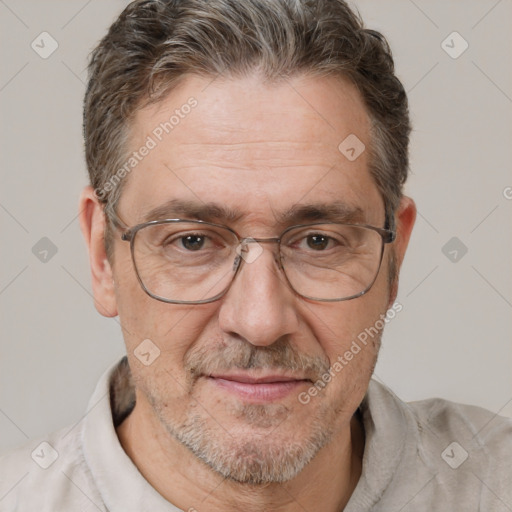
(318, 242)
(192, 242)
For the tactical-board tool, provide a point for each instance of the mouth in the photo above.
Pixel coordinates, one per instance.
(258, 389)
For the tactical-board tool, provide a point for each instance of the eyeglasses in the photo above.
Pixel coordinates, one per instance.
(194, 262)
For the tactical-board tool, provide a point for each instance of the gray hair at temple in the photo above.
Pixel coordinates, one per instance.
(154, 44)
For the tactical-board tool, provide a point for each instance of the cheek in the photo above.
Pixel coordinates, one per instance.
(137, 310)
(157, 335)
(349, 334)
(140, 315)
(337, 325)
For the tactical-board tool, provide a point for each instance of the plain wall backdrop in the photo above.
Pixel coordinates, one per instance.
(453, 336)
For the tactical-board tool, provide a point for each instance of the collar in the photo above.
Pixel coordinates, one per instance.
(121, 485)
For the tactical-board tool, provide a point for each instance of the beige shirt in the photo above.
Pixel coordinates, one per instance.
(431, 455)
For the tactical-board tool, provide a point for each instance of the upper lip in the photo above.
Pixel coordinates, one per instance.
(251, 379)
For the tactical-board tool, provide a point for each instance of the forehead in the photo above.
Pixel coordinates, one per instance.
(252, 146)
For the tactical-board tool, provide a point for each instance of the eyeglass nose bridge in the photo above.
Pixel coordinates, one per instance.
(243, 252)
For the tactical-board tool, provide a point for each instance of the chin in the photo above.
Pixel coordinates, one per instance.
(270, 450)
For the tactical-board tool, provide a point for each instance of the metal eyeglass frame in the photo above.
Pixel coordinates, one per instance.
(388, 235)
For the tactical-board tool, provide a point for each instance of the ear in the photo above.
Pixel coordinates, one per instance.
(92, 223)
(405, 218)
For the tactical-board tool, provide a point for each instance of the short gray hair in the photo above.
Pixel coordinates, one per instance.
(154, 44)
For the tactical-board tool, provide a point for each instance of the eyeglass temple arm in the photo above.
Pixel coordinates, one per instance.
(112, 216)
(390, 225)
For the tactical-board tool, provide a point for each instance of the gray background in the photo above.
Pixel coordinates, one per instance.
(453, 336)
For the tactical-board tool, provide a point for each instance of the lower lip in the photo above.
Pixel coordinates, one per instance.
(263, 392)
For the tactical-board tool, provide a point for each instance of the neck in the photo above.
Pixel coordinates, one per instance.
(326, 483)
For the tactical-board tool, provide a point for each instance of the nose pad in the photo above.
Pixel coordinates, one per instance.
(236, 262)
(249, 250)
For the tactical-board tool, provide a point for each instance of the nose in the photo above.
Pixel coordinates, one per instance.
(259, 306)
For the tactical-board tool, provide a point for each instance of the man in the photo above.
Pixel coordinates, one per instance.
(246, 222)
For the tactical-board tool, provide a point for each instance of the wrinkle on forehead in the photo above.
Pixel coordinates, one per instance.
(250, 146)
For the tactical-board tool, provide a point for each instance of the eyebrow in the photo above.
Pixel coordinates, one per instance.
(178, 208)
(336, 211)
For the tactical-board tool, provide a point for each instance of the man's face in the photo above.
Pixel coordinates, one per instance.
(260, 151)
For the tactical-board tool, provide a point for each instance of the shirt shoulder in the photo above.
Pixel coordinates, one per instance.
(48, 474)
(432, 455)
(467, 450)
(476, 426)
